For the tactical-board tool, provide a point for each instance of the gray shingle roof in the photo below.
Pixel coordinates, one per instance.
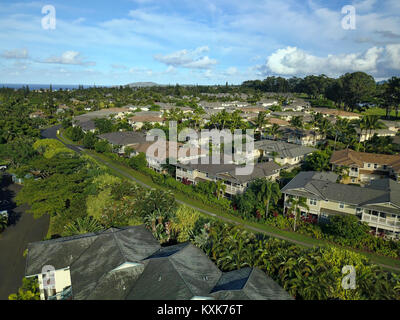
(128, 263)
(323, 186)
(123, 138)
(248, 284)
(283, 149)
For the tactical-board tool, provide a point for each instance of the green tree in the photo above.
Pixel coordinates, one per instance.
(317, 161)
(346, 226)
(89, 140)
(295, 208)
(28, 291)
(269, 192)
(102, 146)
(357, 87)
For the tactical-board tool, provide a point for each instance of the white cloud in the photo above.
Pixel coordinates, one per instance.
(294, 61)
(69, 57)
(191, 59)
(15, 54)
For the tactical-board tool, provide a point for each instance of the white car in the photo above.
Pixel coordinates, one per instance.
(3, 167)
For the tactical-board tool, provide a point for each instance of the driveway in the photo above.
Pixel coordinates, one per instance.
(14, 240)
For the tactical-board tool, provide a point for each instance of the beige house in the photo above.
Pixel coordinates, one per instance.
(301, 136)
(362, 167)
(281, 152)
(326, 112)
(234, 182)
(366, 135)
(378, 204)
(138, 121)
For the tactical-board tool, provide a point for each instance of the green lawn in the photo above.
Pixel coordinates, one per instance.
(378, 112)
(299, 239)
(296, 237)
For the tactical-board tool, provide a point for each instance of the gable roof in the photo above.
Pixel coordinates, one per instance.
(123, 138)
(283, 149)
(128, 263)
(308, 184)
(348, 157)
(248, 284)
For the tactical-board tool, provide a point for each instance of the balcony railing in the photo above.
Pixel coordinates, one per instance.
(389, 222)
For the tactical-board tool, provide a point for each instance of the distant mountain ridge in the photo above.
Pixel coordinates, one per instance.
(142, 84)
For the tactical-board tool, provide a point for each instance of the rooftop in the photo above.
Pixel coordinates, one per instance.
(128, 263)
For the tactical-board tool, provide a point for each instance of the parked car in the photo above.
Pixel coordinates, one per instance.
(3, 167)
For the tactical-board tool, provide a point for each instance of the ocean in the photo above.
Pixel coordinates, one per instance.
(43, 86)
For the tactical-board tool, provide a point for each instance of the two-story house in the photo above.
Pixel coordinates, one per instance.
(377, 204)
(234, 182)
(362, 167)
(283, 153)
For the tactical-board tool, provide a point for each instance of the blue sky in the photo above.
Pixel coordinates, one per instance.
(188, 42)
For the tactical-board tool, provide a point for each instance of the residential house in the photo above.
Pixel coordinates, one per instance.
(37, 114)
(362, 167)
(140, 118)
(129, 264)
(289, 115)
(285, 154)
(301, 136)
(377, 204)
(86, 126)
(228, 173)
(326, 112)
(366, 135)
(391, 125)
(122, 139)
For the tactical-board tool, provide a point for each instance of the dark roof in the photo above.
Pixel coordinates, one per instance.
(87, 125)
(124, 138)
(248, 284)
(318, 185)
(128, 263)
(283, 149)
(260, 170)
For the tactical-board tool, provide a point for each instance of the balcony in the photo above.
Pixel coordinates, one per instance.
(384, 222)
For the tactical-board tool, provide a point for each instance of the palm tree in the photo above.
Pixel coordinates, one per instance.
(269, 192)
(295, 208)
(274, 131)
(363, 125)
(220, 188)
(261, 121)
(297, 122)
(82, 225)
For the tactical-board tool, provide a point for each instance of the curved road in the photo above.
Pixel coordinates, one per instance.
(23, 229)
(51, 133)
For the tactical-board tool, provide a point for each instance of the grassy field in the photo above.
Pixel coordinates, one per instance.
(378, 112)
(299, 239)
(124, 172)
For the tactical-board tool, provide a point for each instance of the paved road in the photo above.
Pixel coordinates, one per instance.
(52, 134)
(14, 240)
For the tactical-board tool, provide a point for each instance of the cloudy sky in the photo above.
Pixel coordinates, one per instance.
(200, 41)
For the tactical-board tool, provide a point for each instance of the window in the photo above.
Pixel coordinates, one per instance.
(375, 166)
(369, 165)
(341, 205)
(313, 202)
